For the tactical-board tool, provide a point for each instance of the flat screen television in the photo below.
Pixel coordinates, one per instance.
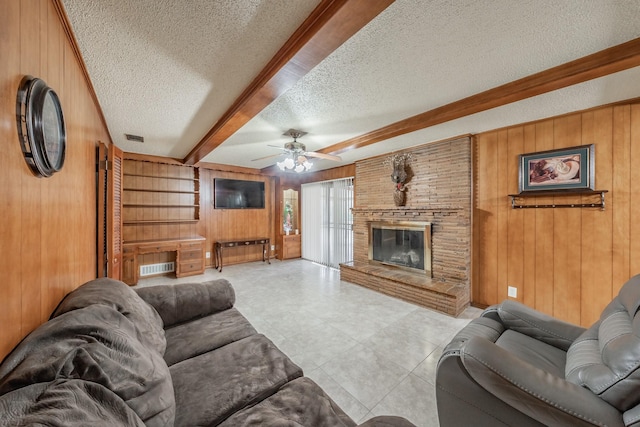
(238, 194)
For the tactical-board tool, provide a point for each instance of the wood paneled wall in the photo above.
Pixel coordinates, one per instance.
(218, 224)
(567, 262)
(224, 224)
(48, 227)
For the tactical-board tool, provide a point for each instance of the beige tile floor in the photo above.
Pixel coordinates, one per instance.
(373, 354)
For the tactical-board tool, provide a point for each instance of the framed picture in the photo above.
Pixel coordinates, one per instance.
(558, 170)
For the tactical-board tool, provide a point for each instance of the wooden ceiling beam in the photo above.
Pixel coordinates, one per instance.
(330, 24)
(599, 64)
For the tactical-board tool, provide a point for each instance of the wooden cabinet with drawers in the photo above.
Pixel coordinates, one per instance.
(290, 246)
(190, 259)
(189, 256)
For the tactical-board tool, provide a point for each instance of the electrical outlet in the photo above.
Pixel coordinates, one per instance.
(273, 247)
(512, 292)
(208, 254)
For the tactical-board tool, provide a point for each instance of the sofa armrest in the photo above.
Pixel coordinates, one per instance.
(186, 301)
(492, 312)
(538, 325)
(549, 399)
(386, 421)
(484, 327)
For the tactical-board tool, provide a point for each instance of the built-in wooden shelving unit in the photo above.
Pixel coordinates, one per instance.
(161, 210)
(166, 196)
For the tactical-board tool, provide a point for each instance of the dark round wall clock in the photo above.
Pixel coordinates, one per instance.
(40, 127)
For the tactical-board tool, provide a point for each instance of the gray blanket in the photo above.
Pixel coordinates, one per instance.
(98, 345)
(65, 403)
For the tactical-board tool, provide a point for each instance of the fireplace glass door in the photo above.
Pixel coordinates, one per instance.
(406, 246)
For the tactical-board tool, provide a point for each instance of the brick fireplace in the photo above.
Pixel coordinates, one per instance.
(438, 194)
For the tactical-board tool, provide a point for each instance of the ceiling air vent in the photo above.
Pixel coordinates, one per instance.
(135, 138)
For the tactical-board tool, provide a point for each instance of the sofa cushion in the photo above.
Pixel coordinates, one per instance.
(199, 336)
(100, 345)
(212, 386)
(65, 403)
(300, 402)
(182, 302)
(119, 296)
(606, 357)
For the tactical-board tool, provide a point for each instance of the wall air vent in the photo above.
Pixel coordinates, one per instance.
(135, 138)
(151, 269)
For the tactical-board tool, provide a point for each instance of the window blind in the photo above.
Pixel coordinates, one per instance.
(327, 222)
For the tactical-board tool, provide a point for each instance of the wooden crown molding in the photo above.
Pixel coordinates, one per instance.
(599, 64)
(151, 158)
(228, 168)
(330, 24)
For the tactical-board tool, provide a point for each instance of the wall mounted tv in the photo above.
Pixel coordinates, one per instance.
(238, 194)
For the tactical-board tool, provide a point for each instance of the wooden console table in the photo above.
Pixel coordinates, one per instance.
(189, 256)
(222, 244)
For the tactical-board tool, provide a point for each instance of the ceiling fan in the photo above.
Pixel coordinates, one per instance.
(296, 154)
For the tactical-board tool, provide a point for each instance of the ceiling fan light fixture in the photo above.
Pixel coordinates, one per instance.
(289, 163)
(297, 155)
(298, 164)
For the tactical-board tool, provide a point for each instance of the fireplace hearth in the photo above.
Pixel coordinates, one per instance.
(445, 287)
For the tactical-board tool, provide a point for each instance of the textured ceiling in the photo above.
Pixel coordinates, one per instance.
(168, 70)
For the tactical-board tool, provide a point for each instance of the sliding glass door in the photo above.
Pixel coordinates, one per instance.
(327, 222)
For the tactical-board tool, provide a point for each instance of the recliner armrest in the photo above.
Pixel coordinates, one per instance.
(538, 325)
(492, 313)
(483, 327)
(186, 301)
(549, 399)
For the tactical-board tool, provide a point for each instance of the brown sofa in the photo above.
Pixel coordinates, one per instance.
(158, 356)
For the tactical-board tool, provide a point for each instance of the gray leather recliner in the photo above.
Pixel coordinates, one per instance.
(514, 366)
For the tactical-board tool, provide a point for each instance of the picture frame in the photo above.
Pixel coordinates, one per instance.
(560, 170)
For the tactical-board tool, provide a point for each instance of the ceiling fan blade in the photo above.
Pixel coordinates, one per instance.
(267, 157)
(323, 156)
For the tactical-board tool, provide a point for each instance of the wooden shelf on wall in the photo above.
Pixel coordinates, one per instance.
(148, 190)
(159, 201)
(161, 177)
(600, 204)
(161, 221)
(132, 205)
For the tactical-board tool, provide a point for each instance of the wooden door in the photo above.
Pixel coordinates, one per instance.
(109, 221)
(114, 213)
(102, 154)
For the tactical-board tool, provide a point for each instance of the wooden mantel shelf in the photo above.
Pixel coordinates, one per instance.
(403, 210)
